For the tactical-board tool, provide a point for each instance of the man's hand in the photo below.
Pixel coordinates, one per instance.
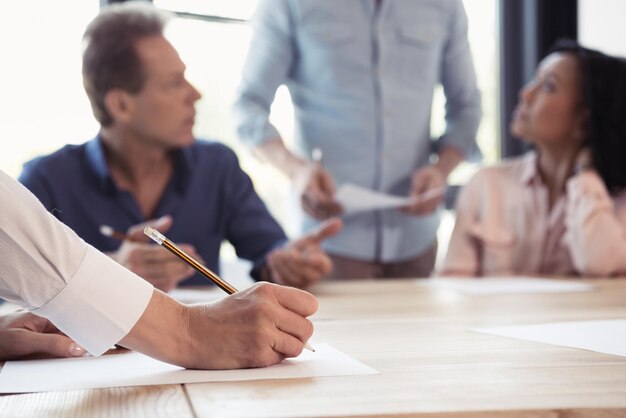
(257, 327)
(23, 334)
(426, 181)
(314, 185)
(152, 262)
(302, 262)
(316, 188)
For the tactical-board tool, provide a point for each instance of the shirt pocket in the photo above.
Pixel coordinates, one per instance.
(419, 47)
(496, 248)
(330, 33)
(329, 49)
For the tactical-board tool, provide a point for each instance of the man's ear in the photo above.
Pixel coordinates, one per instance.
(119, 104)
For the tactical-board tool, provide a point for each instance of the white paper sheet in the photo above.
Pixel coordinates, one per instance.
(355, 198)
(506, 285)
(134, 369)
(603, 336)
(189, 295)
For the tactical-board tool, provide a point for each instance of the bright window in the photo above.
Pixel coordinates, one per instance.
(42, 105)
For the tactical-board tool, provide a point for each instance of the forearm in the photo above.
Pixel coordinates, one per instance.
(595, 235)
(276, 153)
(449, 159)
(162, 331)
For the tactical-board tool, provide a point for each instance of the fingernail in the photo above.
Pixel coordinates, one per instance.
(76, 350)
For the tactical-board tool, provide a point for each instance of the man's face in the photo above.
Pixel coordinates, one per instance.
(162, 113)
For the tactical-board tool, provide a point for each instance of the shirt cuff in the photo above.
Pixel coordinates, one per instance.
(100, 304)
(257, 131)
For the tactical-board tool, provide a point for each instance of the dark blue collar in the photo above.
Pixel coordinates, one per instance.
(97, 164)
(183, 159)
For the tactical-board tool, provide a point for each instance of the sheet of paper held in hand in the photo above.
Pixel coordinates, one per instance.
(355, 198)
(506, 285)
(135, 369)
(602, 336)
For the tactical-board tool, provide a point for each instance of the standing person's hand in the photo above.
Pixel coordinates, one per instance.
(155, 264)
(257, 327)
(303, 262)
(427, 182)
(317, 192)
(23, 334)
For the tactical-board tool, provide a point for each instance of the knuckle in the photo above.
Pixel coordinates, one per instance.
(308, 329)
(264, 288)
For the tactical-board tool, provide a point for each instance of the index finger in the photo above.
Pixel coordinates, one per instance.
(296, 300)
(326, 230)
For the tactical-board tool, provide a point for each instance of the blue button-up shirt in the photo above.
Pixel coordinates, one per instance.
(209, 197)
(361, 81)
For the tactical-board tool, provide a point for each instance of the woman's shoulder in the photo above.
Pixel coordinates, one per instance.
(511, 169)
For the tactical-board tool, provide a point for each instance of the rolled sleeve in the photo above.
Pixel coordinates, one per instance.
(463, 107)
(595, 231)
(268, 61)
(100, 304)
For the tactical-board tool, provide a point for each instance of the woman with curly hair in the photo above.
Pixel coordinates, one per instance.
(559, 209)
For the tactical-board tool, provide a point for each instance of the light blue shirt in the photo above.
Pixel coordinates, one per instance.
(361, 81)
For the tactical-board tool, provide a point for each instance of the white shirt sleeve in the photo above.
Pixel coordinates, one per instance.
(47, 268)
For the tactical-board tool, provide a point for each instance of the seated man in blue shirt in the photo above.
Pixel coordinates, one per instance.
(146, 168)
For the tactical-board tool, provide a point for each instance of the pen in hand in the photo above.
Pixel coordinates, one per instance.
(317, 156)
(177, 251)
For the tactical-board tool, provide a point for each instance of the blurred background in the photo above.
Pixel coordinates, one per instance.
(43, 105)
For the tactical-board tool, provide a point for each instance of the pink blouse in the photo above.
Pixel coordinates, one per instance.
(504, 227)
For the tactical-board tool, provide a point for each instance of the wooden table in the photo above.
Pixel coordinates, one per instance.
(430, 364)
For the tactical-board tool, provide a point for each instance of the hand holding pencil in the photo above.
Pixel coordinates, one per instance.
(302, 334)
(316, 187)
(149, 261)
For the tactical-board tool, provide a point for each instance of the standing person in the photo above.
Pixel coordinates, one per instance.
(561, 208)
(97, 303)
(361, 74)
(146, 168)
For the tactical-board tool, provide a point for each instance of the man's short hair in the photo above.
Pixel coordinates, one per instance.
(110, 59)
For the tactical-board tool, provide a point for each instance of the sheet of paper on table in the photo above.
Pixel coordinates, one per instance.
(602, 336)
(506, 285)
(200, 295)
(135, 369)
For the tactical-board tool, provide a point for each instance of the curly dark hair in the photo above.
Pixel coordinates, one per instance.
(109, 56)
(604, 95)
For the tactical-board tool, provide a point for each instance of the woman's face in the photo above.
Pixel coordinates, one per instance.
(550, 110)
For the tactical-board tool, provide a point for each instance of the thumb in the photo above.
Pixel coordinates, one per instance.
(55, 345)
(162, 224)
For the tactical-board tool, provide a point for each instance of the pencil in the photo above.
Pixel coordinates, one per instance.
(108, 231)
(177, 251)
